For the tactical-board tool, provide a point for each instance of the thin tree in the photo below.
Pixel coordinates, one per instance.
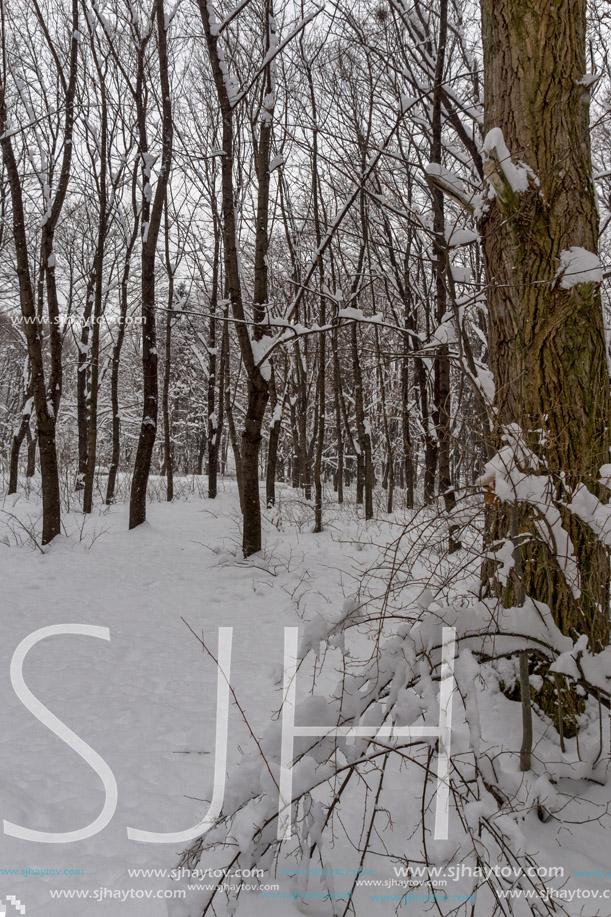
(151, 214)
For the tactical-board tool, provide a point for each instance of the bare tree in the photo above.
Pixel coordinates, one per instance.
(151, 213)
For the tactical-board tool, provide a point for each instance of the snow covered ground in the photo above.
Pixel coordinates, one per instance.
(145, 702)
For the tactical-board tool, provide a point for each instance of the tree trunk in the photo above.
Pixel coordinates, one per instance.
(92, 437)
(168, 457)
(226, 389)
(151, 222)
(82, 384)
(408, 452)
(257, 369)
(389, 472)
(30, 468)
(275, 426)
(18, 437)
(116, 355)
(213, 416)
(364, 460)
(168, 452)
(322, 348)
(547, 344)
(443, 394)
(338, 418)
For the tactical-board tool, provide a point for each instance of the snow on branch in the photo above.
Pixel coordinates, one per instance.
(273, 52)
(577, 266)
(454, 187)
(508, 474)
(496, 153)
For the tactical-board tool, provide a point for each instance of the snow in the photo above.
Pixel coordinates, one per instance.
(461, 274)
(457, 237)
(577, 266)
(589, 79)
(260, 349)
(407, 101)
(495, 148)
(144, 701)
(444, 334)
(351, 312)
(508, 472)
(449, 179)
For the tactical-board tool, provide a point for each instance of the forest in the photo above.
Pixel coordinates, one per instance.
(305, 350)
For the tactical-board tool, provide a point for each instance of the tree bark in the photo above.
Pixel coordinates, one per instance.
(82, 383)
(339, 481)
(442, 388)
(275, 427)
(151, 223)
(257, 374)
(116, 354)
(213, 416)
(226, 390)
(92, 437)
(547, 344)
(17, 440)
(168, 451)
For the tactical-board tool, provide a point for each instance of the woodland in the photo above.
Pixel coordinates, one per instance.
(336, 274)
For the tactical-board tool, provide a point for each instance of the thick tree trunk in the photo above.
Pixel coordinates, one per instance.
(547, 343)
